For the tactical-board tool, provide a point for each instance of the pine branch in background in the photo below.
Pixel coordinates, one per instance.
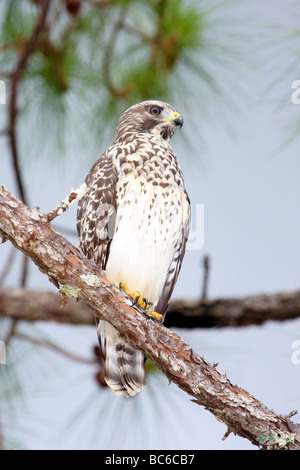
(81, 62)
(39, 305)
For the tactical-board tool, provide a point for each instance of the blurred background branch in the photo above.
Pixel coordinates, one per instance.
(32, 306)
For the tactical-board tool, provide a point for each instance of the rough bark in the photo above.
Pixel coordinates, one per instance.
(31, 305)
(80, 278)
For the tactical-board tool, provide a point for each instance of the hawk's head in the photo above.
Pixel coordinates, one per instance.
(152, 117)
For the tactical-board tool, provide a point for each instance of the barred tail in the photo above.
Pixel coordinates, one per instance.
(124, 366)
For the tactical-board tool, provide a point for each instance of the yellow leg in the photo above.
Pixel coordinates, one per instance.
(138, 299)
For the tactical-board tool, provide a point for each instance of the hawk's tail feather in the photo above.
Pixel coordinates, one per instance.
(124, 366)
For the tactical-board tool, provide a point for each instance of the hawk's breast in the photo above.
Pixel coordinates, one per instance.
(148, 225)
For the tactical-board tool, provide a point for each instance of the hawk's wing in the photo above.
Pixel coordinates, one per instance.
(96, 212)
(179, 252)
(96, 216)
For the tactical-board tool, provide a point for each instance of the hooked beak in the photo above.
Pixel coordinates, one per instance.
(176, 119)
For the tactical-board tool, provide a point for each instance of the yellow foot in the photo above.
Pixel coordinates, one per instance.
(158, 316)
(138, 299)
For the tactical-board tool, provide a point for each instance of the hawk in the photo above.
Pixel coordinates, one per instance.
(134, 223)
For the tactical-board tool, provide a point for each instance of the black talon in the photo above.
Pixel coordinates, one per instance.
(149, 304)
(135, 301)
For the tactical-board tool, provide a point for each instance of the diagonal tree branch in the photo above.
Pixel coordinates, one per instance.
(78, 277)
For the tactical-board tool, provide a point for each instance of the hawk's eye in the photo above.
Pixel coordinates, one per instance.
(155, 110)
